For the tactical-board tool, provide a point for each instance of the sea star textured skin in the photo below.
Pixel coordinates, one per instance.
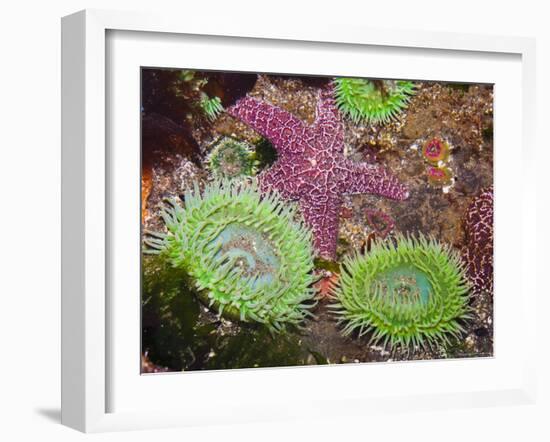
(311, 167)
(478, 251)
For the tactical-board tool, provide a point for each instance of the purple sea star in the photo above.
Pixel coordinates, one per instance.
(478, 250)
(311, 167)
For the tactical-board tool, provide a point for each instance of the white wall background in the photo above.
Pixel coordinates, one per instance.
(30, 220)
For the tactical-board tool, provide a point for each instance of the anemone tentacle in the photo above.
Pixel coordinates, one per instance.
(372, 101)
(212, 107)
(245, 253)
(411, 293)
(230, 158)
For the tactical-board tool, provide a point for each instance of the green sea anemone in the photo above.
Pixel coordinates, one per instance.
(245, 253)
(212, 107)
(229, 158)
(372, 101)
(410, 293)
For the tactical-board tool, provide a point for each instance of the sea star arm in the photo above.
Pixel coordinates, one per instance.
(371, 178)
(322, 217)
(277, 178)
(328, 128)
(326, 111)
(283, 129)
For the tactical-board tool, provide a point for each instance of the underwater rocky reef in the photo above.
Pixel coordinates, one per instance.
(298, 220)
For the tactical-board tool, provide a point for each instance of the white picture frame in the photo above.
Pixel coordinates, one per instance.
(87, 212)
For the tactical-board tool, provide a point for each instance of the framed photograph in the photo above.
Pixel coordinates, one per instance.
(249, 214)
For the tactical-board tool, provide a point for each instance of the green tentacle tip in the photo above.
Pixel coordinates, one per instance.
(372, 101)
(411, 293)
(245, 253)
(212, 107)
(229, 158)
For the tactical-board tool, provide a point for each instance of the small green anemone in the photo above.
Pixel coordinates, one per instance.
(245, 253)
(229, 158)
(372, 101)
(414, 292)
(211, 106)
